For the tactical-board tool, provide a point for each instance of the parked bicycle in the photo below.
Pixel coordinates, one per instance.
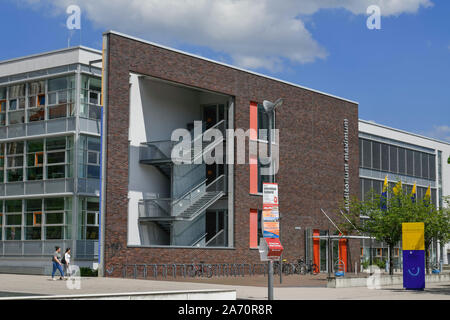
(306, 268)
(200, 270)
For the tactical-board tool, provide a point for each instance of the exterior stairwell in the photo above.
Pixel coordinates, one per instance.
(164, 211)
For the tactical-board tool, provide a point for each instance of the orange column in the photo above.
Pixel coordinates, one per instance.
(316, 248)
(343, 252)
(253, 158)
(253, 228)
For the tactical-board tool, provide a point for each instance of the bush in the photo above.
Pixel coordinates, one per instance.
(88, 272)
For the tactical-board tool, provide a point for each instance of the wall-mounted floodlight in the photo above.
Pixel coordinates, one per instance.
(270, 106)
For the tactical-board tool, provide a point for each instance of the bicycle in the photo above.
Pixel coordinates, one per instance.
(198, 270)
(306, 268)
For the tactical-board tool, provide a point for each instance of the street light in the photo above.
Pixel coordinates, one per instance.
(269, 108)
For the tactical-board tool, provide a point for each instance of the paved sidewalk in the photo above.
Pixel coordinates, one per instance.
(24, 285)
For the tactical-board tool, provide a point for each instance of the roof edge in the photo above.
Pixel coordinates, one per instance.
(225, 64)
(403, 131)
(42, 54)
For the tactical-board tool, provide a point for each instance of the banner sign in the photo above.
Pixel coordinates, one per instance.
(271, 224)
(413, 246)
(270, 215)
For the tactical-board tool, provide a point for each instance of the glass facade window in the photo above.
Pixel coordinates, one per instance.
(393, 159)
(90, 104)
(13, 219)
(14, 161)
(388, 158)
(368, 185)
(35, 160)
(89, 157)
(36, 101)
(89, 218)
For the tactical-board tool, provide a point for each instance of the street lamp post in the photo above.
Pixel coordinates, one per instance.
(269, 108)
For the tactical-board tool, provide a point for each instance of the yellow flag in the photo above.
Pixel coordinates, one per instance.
(428, 193)
(398, 188)
(385, 185)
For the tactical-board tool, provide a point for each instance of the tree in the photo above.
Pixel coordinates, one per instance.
(382, 217)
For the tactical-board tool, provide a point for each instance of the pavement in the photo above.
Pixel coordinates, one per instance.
(27, 285)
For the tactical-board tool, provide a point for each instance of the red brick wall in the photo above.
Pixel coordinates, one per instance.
(311, 172)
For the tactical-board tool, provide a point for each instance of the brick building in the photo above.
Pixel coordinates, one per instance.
(159, 212)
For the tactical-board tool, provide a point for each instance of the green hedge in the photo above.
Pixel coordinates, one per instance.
(88, 272)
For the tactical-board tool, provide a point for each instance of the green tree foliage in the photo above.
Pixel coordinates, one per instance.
(386, 224)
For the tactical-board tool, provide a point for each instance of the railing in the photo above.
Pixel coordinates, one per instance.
(162, 150)
(186, 200)
(156, 150)
(219, 184)
(154, 208)
(217, 241)
(207, 145)
(165, 207)
(196, 242)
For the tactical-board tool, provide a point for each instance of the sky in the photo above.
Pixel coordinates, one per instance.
(399, 74)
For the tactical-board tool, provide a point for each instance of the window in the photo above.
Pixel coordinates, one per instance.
(425, 168)
(1, 220)
(14, 161)
(33, 219)
(61, 97)
(36, 101)
(54, 218)
(17, 101)
(417, 164)
(2, 162)
(3, 103)
(401, 160)
(376, 155)
(90, 106)
(56, 158)
(13, 219)
(90, 157)
(393, 161)
(367, 154)
(35, 160)
(384, 157)
(89, 226)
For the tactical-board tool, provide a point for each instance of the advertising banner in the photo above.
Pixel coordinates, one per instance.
(270, 214)
(270, 247)
(413, 246)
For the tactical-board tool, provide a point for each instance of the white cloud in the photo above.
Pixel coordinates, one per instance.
(254, 33)
(440, 132)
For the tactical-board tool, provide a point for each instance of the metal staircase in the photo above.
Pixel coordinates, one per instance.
(165, 211)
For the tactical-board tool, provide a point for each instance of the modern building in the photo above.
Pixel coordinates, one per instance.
(407, 157)
(158, 211)
(49, 158)
(150, 209)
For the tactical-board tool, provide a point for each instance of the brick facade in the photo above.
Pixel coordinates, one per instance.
(311, 174)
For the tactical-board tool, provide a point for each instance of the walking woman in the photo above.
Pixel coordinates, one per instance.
(56, 260)
(67, 262)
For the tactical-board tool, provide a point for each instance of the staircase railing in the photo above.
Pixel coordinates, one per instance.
(162, 150)
(207, 145)
(180, 204)
(156, 207)
(196, 242)
(218, 240)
